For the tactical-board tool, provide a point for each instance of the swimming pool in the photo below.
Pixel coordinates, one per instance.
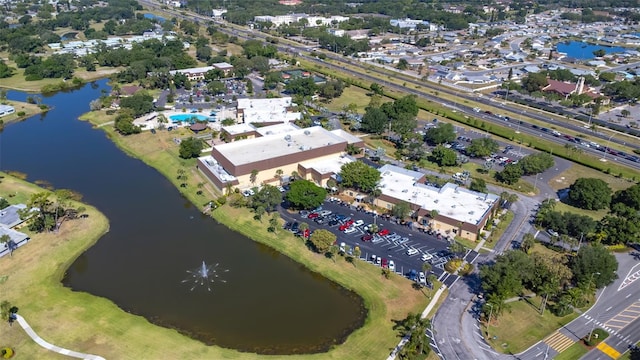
(188, 118)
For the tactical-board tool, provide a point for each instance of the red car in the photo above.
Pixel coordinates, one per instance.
(345, 226)
(383, 232)
(385, 263)
(367, 238)
(313, 215)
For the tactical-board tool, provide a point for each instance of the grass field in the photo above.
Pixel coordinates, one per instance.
(386, 300)
(521, 326)
(17, 81)
(19, 106)
(568, 177)
(575, 351)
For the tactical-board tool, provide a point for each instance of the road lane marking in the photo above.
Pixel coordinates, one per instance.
(558, 341)
(613, 353)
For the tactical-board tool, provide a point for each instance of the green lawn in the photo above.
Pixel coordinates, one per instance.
(521, 326)
(574, 352)
(386, 300)
(594, 214)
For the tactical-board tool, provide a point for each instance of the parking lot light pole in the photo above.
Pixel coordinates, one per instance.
(606, 149)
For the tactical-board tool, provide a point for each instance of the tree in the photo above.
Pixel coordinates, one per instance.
(268, 198)
(536, 163)
(590, 194)
(302, 86)
(595, 266)
(510, 174)
(191, 148)
(401, 210)
(3, 203)
(481, 147)
(377, 89)
(274, 222)
(305, 195)
(634, 353)
(402, 64)
(443, 156)
(629, 197)
(528, 240)
(443, 133)
(322, 240)
(253, 176)
(140, 103)
(478, 185)
(413, 327)
(374, 120)
(535, 81)
(359, 175)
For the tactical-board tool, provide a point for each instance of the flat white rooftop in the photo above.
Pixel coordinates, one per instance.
(451, 200)
(267, 110)
(273, 146)
(238, 129)
(216, 169)
(277, 129)
(331, 165)
(351, 139)
(192, 70)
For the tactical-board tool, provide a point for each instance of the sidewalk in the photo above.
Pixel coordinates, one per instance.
(40, 341)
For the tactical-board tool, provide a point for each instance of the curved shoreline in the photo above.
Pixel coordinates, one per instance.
(384, 300)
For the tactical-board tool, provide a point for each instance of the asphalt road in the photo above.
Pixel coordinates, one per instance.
(417, 87)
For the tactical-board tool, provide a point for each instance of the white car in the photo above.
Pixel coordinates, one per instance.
(350, 230)
(358, 223)
(422, 279)
(412, 252)
(403, 240)
(426, 257)
(392, 265)
(553, 232)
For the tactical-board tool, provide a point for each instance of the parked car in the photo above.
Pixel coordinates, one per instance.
(426, 257)
(412, 274)
(304, 213)
(553, 232)
(378, 260)
(358, 223)
(367, 237)
(350, 230)
(412, 252)
(385, 263)
(333, 222)
(383, 232)
(422, 279)
(392, 265)
(325, 212)
(373, 258)
(313, 215)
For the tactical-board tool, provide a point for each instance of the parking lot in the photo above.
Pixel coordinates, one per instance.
(386, 248)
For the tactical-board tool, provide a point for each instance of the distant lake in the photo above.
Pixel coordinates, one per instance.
(584, 51)
(69, 36)
(154, 17)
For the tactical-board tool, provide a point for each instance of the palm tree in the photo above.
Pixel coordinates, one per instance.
(426, 267)
(200, 186)
(278, 175)
(254, 176)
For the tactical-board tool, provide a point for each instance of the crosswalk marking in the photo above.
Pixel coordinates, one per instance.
(613, 353)
(559, 341)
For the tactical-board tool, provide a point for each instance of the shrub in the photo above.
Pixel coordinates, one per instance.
(597, 336)
(7, 352)
(452, 265)
(618, 248)
(21, 113)
(222, 200)
(466, 270)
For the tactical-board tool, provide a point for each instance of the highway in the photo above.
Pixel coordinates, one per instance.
(300, 51)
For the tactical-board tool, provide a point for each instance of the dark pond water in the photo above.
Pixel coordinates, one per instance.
(154, 17)
(69, 36)
(584, 51)
(269, 303)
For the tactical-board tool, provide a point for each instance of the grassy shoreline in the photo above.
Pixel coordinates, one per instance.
(385, 300)
(20, 106)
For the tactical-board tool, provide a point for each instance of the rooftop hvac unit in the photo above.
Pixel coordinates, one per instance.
(287, 137)
(307, 132)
